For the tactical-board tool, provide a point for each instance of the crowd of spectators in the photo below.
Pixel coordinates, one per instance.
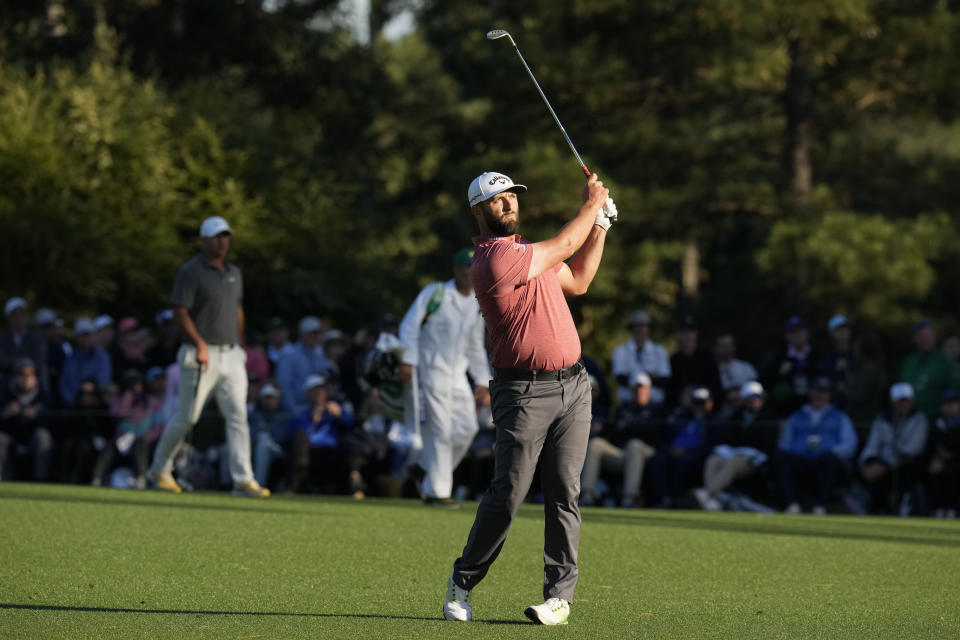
(809, 427)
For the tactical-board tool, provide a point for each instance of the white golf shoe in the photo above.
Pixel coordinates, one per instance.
(457, 606)
(553, 611)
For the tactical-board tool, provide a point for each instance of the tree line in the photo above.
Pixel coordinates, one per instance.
(768, 158)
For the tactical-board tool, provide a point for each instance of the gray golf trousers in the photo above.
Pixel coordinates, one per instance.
(547, 420)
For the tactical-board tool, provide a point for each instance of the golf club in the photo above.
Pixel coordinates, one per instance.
(496, 34)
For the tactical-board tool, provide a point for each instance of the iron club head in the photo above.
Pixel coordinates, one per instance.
(493, 34)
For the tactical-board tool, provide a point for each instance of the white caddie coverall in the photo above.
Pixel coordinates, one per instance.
(442, 333)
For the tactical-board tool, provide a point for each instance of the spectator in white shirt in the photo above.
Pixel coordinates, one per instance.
(734, 373)
(640, 354)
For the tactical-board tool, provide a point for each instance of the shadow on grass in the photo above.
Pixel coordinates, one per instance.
(200, 612)
(864, 529)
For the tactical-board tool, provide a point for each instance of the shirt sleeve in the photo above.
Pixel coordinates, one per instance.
(915, 436)
(663, 363)
(786, 436)
(848, 440)
(620, 366)
(508, 265)
(184, 289)
(872, 448)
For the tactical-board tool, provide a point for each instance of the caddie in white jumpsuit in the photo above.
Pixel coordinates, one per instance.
(208, 308)
(443, 333)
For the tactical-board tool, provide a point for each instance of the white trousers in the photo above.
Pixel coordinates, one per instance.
(449, 425)
(226, 377)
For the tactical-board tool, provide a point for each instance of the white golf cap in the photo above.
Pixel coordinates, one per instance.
(642, 379)
(102, 322)
(489, 184)
(314, 381)
(15, 303)
(269, 390)
(45, 317)
(901, 391)
(214, 226)
(83, 326)
(309, 324)
(751, 389)
(700, 394)
(836, 322)
(334, 334)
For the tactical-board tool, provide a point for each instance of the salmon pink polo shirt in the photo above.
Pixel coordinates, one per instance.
(529, 321)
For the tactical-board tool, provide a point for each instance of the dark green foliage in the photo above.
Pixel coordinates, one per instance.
(344, 164)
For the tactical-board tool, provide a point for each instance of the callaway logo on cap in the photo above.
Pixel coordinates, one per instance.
(489, 184)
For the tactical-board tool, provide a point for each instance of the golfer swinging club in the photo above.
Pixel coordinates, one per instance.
(540, 391)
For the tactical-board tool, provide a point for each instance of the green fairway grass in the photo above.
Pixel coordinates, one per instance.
(80, 562)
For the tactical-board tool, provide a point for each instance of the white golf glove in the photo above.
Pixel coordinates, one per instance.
(607, 214)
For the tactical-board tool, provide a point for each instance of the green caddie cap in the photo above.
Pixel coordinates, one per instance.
(463, 258)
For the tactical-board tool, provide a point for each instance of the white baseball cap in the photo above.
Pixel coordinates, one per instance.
(83, 326)
(309, 324)
(836, 322)
(489, 184)
(269, 390)
(751, 389)
(314, 381)
(15, 303)
(642, 379)
(102, 322)
(44, 317)
(214, 226)
(901, 391)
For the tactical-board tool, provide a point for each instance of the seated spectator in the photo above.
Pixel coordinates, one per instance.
(87, 362)
(734, 373)
(403, 444)
(599, 387)
(786, 376)
(58, 348)
(299, 362)
(278, 339)
(897, 440)
(19, 341)
(685, 447)
(163, 352)
(269, 422)
(84, 432)
(315, 443)
(138, 411)
(130, 349)
(837, 363)
(867, 383)
(599, 410)
(928, 370)
(691, 366)
(944, 467)
(335, 347)
(623, 446)
(352, 364)
(817, 442)
(23, 431)
(641, 354)
(746, 441)
(105, 332)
